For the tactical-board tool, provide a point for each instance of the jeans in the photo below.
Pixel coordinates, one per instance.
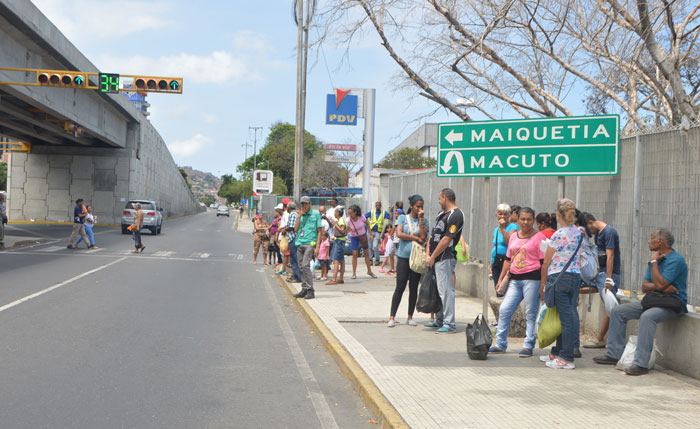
(404, 275)
(517, 291)
(374, 249)
(294, 262)
(90, 234)
(647, 329)
(565, 299)
(305, 253)
(136, 235)
(444, 270)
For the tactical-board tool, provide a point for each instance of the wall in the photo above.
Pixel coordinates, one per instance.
(669, 189)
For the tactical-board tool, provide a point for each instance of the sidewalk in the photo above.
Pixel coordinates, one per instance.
(20, 241)
(430, 381)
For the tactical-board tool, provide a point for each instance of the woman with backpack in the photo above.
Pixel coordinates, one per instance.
(561, 279)
(409, 228)
(520, 280)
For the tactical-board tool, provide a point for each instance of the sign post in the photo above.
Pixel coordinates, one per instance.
(262, 181)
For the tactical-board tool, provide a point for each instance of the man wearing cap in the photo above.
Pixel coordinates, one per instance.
(291, 239)
(308, 228)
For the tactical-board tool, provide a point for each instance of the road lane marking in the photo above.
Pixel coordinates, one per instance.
(99, 249)
(56, 286)
(51, 249)
(318, 399)
(241, 257)
(204, 255)
(164, 253)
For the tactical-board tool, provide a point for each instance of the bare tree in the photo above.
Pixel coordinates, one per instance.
(535, 57)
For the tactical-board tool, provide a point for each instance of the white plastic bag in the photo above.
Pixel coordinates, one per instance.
(627, 359)
(610, 301)
(540, 316)
(544, 244)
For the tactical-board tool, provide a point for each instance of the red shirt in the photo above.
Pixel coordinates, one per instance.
(548, 233)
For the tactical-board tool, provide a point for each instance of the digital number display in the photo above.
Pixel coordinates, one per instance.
(109, 83)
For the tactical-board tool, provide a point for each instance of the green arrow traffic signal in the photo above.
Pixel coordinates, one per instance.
(174, 84)
(79, 80)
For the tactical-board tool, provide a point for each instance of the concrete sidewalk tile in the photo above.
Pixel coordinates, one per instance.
(431, 382)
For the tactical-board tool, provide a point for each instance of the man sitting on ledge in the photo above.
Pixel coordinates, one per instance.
(665, 286)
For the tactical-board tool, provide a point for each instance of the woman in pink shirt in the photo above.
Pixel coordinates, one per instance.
(358, 226)
(524, 264)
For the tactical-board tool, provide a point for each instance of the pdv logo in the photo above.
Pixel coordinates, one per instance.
(341, 108)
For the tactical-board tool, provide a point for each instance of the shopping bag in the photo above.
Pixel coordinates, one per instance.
(284, 245)
(610, 301)
(550, 329)
(479, 339)
(428, 296)
(627, 359)
(540, 317)
(461, 257)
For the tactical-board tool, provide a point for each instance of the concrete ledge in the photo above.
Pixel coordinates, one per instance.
(24, 243)
(386, 414)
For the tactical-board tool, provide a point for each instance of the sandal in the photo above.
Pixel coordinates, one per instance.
(142, 249)
(332, 282)
(341, 282)
(353, 277)
(374, 276)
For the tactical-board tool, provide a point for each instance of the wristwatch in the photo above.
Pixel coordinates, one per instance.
(653, 261)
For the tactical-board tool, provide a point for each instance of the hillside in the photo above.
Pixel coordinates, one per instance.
(202, 183)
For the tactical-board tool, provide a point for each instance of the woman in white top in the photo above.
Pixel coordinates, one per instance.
(90, 221)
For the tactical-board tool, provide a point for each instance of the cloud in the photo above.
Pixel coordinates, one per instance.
(220, 67)
(210, 118)
(83, 20)
(186, 148)
(248, 40)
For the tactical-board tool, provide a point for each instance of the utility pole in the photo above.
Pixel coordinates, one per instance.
(302, 22)
(246, 145)
(255, 146)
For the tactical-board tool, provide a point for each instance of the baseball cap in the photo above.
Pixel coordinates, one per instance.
(285, 201)
(305, 199)
(279, 207)
(399, 211)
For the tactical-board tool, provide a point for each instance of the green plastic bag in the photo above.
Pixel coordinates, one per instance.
(460, 256)
(550, 328)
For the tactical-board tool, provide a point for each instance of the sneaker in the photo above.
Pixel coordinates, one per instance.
(432, 324)
(548, 358)
(446, 330)
(392, 271)
(525, 353)
(280, 272)
(70, 246)
(636, 370)
(605, 360)
(496, 350)
(411, 322)
(310, 294)
(301, 294)
(595, 345)
(391, 324)
(381, 271)
(560, 364)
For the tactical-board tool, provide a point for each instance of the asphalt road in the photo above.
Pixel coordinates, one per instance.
(188, 334)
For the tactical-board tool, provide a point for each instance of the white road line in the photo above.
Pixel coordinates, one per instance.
(164, 253)
(204, 255)
(56, 286)
(241, 256)
(195, 255)
(99, 249)
(323, 411)
(51, 249)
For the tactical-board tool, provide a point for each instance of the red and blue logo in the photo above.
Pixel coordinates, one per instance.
(341, 108)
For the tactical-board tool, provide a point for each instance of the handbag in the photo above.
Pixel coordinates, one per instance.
(416, 261)
(658, 299)
(364, 243)
(549, 292)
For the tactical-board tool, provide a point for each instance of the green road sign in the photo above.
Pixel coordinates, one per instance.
(568, 146)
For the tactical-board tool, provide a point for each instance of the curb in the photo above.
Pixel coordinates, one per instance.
(386, 413)
(53, 222)
(25, 243)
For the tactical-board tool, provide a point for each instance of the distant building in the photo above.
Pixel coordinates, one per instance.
(379, 184)
(424, 139)
(138, 99)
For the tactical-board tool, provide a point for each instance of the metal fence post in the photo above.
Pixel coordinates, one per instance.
(636, 218)
(487, 258)
(471, 214)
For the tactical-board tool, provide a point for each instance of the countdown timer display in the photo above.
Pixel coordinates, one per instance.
(109, 83)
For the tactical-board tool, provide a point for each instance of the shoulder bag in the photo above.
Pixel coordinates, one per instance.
(549, 292)
(659, 299)
(417, 259)
(364, 243)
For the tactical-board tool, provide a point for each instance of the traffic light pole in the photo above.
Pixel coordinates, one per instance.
(368, 104)
(303, 22)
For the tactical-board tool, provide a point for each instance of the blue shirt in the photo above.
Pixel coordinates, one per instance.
(405, 246)
(675, 271)
(499, 245)
(77, 211)
(609, 239)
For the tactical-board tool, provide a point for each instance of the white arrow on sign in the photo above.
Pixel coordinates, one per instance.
(453, 137)
(447, 165)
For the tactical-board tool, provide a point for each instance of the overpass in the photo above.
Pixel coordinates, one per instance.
(116, 156)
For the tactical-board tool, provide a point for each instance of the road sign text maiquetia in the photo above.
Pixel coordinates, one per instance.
(530, 147)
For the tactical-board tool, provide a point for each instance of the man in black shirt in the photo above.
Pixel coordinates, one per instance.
(441, 253)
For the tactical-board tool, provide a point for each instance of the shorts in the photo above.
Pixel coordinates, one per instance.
(390, 249)
(355, 243)
(338, 251)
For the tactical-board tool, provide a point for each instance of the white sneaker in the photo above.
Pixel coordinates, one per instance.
(560, 364)
(411, 322)
(548, 358)
(391, 323)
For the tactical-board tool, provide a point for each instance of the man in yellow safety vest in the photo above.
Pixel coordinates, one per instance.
(376, 218)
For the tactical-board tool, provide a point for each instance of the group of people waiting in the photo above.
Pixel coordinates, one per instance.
(544, 265)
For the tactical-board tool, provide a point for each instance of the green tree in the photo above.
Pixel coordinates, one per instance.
(3, 176)
(206, 199)
(406, 159)
(184, 176)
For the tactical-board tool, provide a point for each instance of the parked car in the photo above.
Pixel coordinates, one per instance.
(152, 216)
(222, 211)
(213, 206)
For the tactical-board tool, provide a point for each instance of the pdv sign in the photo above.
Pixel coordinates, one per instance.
(341, 108)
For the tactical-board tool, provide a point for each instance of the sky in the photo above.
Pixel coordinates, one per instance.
(238, 61)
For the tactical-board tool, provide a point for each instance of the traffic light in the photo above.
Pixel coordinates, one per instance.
(63, 79)
(171, 85)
